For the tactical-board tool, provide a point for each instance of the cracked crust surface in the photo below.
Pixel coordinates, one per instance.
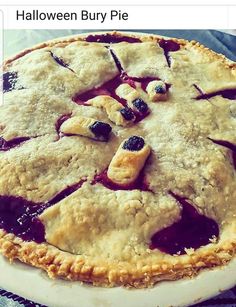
(96, 234)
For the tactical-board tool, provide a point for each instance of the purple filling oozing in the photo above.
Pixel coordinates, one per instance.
(107, 88)
(9, 81)
(124, 78)
(60, 61)
(60, 121)
(111, 39)
(228, 145)
(139, 184)
(20, 216)
(193, 230)
(228, 94)
(198, 89)
(168, 46)
(117, 61)
(66, 192)
(7, 145)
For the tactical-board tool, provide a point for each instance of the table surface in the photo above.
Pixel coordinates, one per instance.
(16, 40)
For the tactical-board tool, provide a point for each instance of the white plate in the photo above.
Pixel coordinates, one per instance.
(33, 284)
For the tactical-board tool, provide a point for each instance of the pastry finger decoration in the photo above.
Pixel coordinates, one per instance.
(116, 112)
(157, 90)
(132, 96)
(128, 161)
(86, 126)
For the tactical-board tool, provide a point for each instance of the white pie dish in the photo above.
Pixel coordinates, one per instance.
(32, 284)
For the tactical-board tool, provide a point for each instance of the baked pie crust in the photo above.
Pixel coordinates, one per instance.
(118, 158)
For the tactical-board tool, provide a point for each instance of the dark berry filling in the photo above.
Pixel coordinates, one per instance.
(101, 130)
(66, 192)
(228, 94)
(83, 98)
(198, 89)
(140, 105)
(144, 81)
(60, 121)
(134, 143)
(111, 39)
(127, 113)
(109, 88)
(228, 145)
(116, 60)
(159, 89)
(9, 81)
(124, 78)
(139, 116)
(193, 230)
(234, 159)
(139, 184)
(20, 216)
(168, 46)
(59, 60)
(7, 145)
(224, 143)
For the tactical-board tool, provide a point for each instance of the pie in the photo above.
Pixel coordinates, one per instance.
(118, 158)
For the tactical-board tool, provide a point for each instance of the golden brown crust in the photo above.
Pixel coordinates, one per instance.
(126, 165)
(59, 264)
(62, 264)
(211, 54)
